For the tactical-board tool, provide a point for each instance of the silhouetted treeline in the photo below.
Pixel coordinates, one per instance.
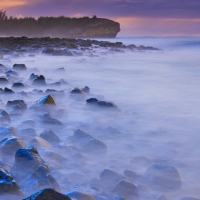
(49, 26)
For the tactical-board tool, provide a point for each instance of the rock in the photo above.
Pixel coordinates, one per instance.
(19, 67)
(18, 85)
(77, 91)
(9, 189)
(22, 104)
(94, 146)
(28, 123)
(110, 178)
(50, 136)
(48, 194)
(80, 138)
(11, 72)
(5, 116)
(4, 80)
(26, 161)
(40, 143)
(46, 118)
(162, 177)
(131, 175)
(40, 80)
(92, 101)
(55, 92)
(17, 110)
(10, 145)
(126, 189)
(86, 89)
(33, 76)
(28, 134)
(39, 179)
(7, 132)
(8, 91)
(80, 195)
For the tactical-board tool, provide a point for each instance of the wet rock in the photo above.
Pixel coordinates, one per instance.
(18, 85)
(126, 189)
(8, 91)
(5, 116)
(9, 189)
(22, 104)
(19, 67)
(80, 195)
(40, 80)
(131, 175)
(77, 91)
(50, 136)
(46, 118)
(7, 132)
(48, 194)
(86, 89)
(4, 81)
(40, 143)
(11, 72)
(94, 146)
(11, 144)
(162, 177)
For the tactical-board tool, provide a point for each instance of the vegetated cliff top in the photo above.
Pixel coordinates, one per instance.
(63, 27)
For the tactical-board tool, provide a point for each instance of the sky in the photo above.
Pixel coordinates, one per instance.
(136, 17)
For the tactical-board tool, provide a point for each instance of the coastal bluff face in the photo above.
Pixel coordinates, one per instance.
(60, 27)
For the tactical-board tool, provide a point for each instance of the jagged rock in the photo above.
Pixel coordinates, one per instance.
(7, 132)
(39, 142)
(10, 145)
(9, 189)
(126, 189)
(46, 118)
(48, 194)
(50, 136)
(94, 146)
(80, 195)
(5, 116)
(162, 177)
(40, 80)
(19, 67)
(17, 102)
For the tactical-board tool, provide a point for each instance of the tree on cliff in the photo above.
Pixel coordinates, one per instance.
(3, 16)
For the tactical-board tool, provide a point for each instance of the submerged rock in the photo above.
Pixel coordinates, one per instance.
(48, 194)
(162, 177)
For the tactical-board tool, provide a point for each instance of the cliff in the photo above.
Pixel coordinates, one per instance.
(62, 27)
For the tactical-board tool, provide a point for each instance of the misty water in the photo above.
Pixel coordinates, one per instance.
(159, 94)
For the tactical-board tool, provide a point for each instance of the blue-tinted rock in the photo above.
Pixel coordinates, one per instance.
(7, 132)
(19, 67)
(80, 195)
(50, 136)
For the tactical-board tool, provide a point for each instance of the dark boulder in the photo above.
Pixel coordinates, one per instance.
(77, 91)
(8, 91)
(18, 85)
(48, 194)
(19, 67)
(4, 80)
(162, 177)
